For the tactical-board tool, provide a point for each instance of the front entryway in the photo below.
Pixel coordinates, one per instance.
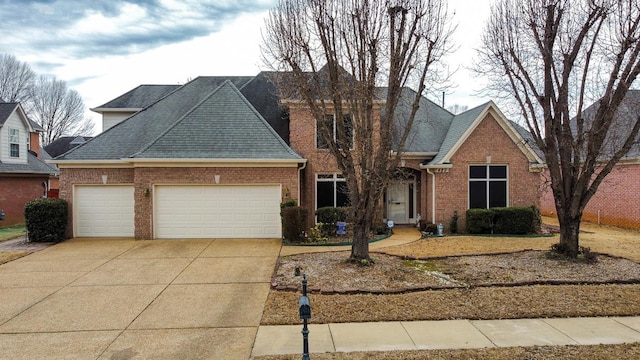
(401, 200)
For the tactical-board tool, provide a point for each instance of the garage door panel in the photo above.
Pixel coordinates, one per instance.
(217, 211)
(104, 211)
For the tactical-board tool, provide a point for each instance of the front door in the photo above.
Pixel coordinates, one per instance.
(397, 202)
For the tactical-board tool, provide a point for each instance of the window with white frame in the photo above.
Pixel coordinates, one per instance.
(14, 142)
(328, 123)
(488, 186)
(331, 190)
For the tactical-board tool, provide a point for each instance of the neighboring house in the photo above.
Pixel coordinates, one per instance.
(215, 157)
(23, 175)
(58, 147)
(617, 200)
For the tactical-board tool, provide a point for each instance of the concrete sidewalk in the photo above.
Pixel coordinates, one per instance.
(447, 334)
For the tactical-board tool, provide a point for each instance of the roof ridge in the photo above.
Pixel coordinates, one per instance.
(181, 118)
(264, 122)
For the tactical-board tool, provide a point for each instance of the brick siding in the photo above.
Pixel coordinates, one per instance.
(616, 202)
(144, 178)
(488, 139)
(15, 192)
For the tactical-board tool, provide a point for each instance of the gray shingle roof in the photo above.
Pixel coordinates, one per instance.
(147, 127)
(64, 143)
(223, 125)
(622, 124)
(459, 125)
(139, 97)
(33, 166)
(6, 109)
(429, 127)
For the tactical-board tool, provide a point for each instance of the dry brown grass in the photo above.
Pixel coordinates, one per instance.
(6, 256)
(622, 351)
(491, 294)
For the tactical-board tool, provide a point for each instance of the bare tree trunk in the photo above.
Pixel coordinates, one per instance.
(569, 232)
(360, 246)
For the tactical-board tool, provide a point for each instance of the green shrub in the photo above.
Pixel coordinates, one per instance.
(380, 229)
(513, 220)
(46, 220)
(505, 220)
(536, 226)
(288, 203)
(479, 221)
(329, 216)
(294, 220)
(453, 225)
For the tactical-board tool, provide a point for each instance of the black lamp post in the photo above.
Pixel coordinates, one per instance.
(305, 314)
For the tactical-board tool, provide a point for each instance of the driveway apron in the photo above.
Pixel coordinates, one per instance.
(127, 299)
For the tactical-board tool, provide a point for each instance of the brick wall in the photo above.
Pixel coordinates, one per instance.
(302, 138)
(488, 139)
(70, 177)
(15, 192)
(145, 178)
(616, 202)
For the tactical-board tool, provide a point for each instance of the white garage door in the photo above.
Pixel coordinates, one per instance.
(217, 211)
(103, 211)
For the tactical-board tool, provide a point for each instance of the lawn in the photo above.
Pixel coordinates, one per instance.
(12, 232)
(495, 278)
(9, 233)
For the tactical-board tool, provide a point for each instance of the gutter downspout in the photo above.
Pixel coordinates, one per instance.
(433, 195)
(304, 165)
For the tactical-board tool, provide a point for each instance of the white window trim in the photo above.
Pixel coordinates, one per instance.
(334, 132)
(14, 138)
(487, 180)
(335, 178)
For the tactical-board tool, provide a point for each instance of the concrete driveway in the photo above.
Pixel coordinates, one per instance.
(126, 299)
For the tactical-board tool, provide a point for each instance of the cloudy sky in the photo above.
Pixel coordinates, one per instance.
(103, 48)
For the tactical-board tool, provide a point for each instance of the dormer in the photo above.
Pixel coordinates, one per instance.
(18, 134)
(122, 107)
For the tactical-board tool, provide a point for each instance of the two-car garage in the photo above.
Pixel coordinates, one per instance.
(181, 211)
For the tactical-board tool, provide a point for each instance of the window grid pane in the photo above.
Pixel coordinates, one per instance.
(14, 150)
(487, 186)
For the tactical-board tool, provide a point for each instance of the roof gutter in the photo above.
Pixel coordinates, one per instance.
(438, 166)
(177, 162)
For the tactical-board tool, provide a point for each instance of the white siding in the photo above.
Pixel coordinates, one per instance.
(13, 122)
(110, 119)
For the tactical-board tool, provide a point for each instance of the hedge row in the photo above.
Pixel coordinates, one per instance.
(505, 220)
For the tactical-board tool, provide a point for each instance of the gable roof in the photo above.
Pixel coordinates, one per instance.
(6, 109)
(224, 125)
(463, 125)
(143, 134)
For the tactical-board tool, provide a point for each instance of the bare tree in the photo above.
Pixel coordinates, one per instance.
(335, 54)
(58, 109)
(16, 79)
(553, 58)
